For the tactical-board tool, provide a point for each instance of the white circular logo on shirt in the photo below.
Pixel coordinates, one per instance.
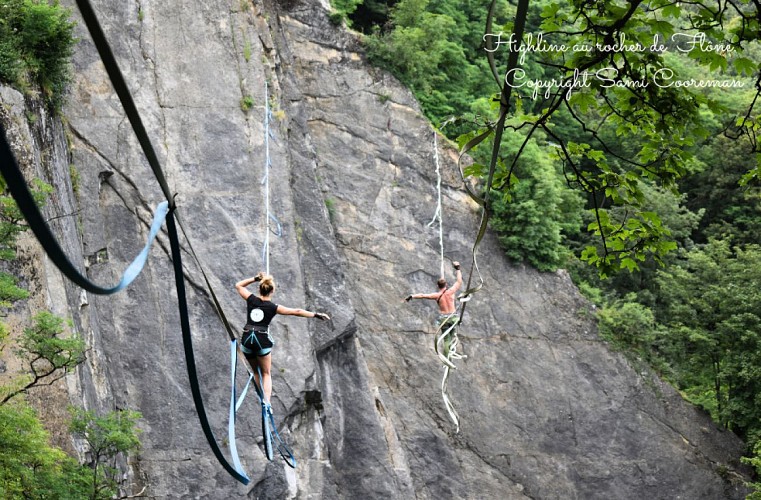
(257, 315)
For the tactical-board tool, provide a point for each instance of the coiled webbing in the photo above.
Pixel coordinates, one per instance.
(445, 344)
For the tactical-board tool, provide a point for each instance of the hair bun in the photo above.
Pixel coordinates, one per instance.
(267, 284)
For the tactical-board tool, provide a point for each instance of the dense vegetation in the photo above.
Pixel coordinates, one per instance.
(652, 180)
(36, 43)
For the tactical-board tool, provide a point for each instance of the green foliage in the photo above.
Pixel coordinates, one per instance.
(10, 291)
(44, 341)
(710, 308)
(36, 43)
(246, 103)
(618, 132)
(730, 211)
(755, 461)
(330, 204)
(433, 48)
(48, 353)
(247, 51)
(106, 437)
(541, 211)
(628, 323)
(11, 225)
(11, 221)
(29, 467)
(343, 9)
(615, 134)
(76, 179)
(676, 218)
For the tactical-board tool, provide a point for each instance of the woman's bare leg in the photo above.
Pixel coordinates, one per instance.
(262, 364)
(265, 363)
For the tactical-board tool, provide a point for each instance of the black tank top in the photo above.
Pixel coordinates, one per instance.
(260, 312)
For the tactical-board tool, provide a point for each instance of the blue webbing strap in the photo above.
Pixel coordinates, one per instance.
(266, 411)
(268, 133)
(20, 192)
(282, 448)
(187, 341)
(266, 407)
(231, 420)
(245, 391)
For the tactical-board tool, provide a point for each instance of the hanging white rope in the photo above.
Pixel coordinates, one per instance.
(266, 182)
(439, 212)
(267, 166)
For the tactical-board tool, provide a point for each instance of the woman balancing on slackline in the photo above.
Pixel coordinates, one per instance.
(257, 343)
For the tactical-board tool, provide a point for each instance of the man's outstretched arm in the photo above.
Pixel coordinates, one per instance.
(422, 296)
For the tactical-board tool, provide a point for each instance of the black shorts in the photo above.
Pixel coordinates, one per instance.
(256, 343)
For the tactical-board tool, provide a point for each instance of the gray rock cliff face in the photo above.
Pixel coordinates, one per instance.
(548, 410)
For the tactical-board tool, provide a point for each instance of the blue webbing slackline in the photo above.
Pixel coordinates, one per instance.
(282, 448)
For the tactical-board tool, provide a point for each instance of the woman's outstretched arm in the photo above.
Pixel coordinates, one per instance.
(287, 311)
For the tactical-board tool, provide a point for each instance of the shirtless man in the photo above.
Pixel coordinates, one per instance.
(445, 298)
